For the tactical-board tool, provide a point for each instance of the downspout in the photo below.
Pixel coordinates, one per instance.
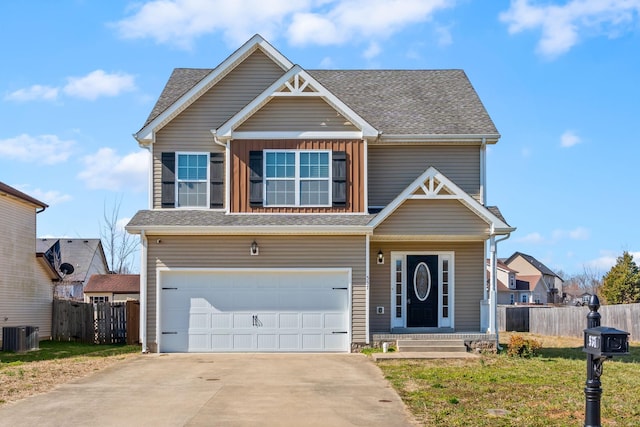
(483, 171)
(227, 169)
(367, 275)
(493, 308)
(143, 292)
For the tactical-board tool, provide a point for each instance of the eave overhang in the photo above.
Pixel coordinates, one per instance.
(437, 138)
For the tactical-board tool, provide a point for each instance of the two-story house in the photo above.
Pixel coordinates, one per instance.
(26, 276)
(313, 210)
(544, 284)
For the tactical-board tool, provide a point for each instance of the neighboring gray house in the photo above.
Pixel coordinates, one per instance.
(313, 210)
(85, 255)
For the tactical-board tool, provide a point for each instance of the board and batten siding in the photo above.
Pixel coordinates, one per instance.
(26, 291)
(433, 217)
(275, 252)
(469, 267)
(297, 114)
(393, 167)
(240, 151)
(191, 129)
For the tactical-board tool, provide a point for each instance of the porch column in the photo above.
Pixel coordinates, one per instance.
(493, 294)
(143, 292)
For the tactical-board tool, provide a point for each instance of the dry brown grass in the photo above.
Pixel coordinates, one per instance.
(27, 379)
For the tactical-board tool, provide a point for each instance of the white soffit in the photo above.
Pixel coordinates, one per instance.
(433, 185)
(145, 135)
(295, 83)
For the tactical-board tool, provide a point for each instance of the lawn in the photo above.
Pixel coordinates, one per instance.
(497, 390)
(38, 371)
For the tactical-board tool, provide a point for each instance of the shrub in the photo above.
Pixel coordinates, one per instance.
(522, 347)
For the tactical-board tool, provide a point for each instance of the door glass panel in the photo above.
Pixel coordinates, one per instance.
(422, 281)
(398, 288)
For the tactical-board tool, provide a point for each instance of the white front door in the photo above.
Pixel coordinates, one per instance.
(227, 310)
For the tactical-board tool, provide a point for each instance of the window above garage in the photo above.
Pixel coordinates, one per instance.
(297, 178)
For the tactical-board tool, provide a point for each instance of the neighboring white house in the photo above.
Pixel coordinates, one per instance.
(85, 255)
(545, 285)
(112, 288)
(26, 277)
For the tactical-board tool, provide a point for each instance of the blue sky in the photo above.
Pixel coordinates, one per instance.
(559, 78)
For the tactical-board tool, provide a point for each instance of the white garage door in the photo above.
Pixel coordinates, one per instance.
(257, 310)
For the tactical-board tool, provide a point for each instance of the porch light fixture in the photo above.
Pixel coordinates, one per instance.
(254, 248)
(380, 257)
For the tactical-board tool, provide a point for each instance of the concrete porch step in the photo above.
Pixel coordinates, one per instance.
(432, 345)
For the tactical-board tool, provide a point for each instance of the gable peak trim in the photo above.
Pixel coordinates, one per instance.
(295, 82)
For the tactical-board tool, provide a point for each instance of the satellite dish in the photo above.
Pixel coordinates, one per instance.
(66, 268)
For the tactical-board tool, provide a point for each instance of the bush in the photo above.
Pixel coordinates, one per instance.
(522, 347)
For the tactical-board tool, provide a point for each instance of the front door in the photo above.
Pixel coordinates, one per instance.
(422, 291)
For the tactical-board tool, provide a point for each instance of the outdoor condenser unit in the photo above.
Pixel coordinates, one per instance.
(20, 338)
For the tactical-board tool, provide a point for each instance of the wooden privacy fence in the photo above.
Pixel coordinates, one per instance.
(568, 321)
(100, 323)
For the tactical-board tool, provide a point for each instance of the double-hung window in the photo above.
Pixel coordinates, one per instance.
(297, 178)
(192, 179)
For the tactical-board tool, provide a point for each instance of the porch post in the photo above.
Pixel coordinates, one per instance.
(493, 294)
(143, 292)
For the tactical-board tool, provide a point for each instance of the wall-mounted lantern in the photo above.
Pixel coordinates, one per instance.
(254, 250)
(380, 257)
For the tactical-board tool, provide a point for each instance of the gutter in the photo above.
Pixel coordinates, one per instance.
(477, 138)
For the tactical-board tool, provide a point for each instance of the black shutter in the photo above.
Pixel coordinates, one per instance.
(168, 180)
(339, 196)
(216, 173)
(255, 178)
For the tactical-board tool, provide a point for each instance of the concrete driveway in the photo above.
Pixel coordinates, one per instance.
(221, 390)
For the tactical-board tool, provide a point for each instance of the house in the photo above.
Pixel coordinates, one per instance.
(26, 276)
(85, 256)
(112, 288)
(512, 289)
(546, 286)
(314, 210)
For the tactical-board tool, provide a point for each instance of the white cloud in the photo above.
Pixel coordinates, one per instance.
(534, 237)
(344, 21)
(569, 139)
(180, 22)
(98, 83)
(51, 197)
(563, 26)
(106, 170)
(121, 223)
(35, 92)
(372, 51)
(578, 233)
(327, 63)
(444, 36)
(43, 149)
(306, 22)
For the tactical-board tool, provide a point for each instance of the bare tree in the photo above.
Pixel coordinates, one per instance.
(119, 246)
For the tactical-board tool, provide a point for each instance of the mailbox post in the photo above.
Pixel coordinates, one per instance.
(600, 343)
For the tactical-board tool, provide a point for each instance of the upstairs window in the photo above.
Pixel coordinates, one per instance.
(297, 178)
(192, 180)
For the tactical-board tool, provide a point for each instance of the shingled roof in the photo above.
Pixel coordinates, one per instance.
(207, 218)
(10, 191)
(395, 102)
(115, 283)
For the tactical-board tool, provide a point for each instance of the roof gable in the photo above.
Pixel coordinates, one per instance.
(176, 98)
(543, 269)
(434, 185)
(295, 83)
(16, 194)
(80, 253)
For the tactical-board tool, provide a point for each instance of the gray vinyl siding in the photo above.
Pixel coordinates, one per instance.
(26, 291)
(191, 129)
(469, 263)
(275, 251)
(393, 167)
(433, 217)
(297, 114)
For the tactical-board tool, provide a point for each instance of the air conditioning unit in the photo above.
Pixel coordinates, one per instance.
(20, 338)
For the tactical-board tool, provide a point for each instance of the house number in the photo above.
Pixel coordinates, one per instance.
(593, 341)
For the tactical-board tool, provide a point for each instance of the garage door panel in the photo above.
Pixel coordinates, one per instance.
(255, 311)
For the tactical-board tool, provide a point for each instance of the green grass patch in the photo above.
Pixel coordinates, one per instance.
(50, 350)
(497, 390)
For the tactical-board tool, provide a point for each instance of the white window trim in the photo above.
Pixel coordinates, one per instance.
(207, 182)
(401, 322)
(297, 179)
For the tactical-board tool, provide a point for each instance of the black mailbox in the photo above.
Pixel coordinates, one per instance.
(606, 342)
